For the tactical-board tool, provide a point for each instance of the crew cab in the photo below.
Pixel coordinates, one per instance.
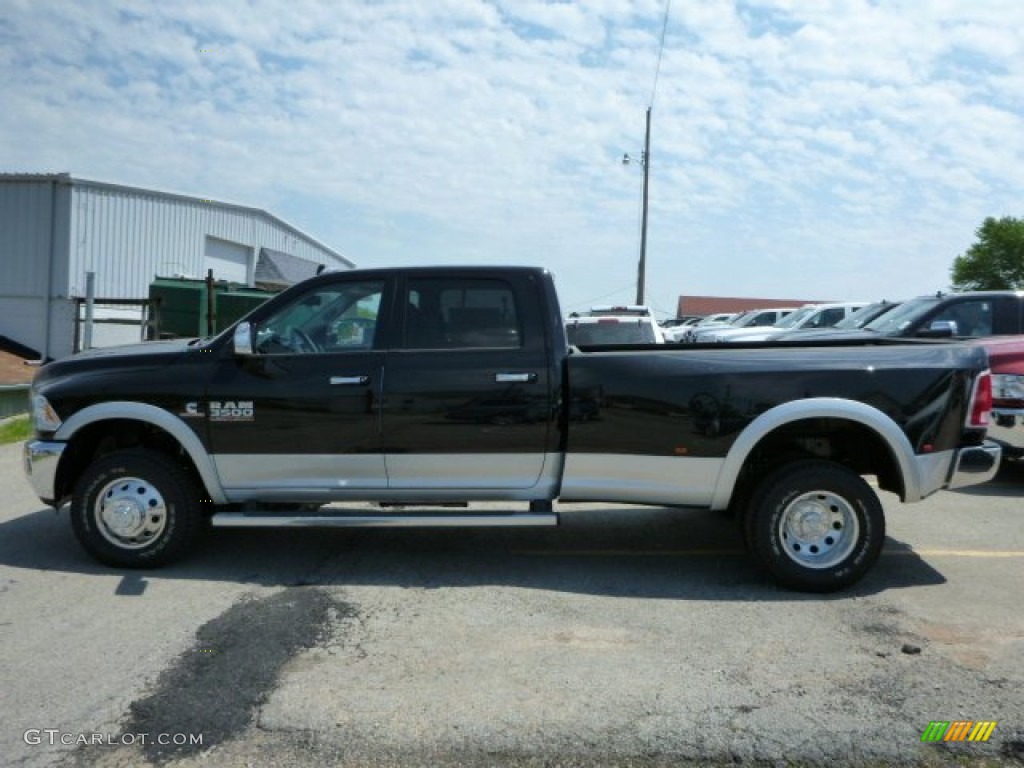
(446, 386)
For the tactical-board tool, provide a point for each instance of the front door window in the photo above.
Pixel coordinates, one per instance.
(327, 319)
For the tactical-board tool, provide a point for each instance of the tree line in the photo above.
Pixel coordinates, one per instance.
(995, 261)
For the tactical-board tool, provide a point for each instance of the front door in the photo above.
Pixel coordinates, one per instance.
(299, 419)
(468, 397)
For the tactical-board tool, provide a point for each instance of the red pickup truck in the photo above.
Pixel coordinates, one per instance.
(1006, 361)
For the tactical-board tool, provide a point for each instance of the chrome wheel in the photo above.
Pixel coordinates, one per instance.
(130, 513)
(136, 508)
(818, 529)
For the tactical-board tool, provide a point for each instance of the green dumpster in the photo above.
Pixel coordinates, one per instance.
(184, 305)
(234, 303)
(182, 310)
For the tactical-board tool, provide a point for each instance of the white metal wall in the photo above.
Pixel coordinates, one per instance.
(128, 236)
(54, 229)
(33, 257)
(24, 238)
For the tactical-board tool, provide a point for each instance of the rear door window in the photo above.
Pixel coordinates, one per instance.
(457, 313)
(971, 317)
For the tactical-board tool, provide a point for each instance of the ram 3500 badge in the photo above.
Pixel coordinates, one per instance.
(441, 385)
(229, 410)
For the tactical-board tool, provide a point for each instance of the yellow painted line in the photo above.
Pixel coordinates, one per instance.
(975, 553)
(983, 553)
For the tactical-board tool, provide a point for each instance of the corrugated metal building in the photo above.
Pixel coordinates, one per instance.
(56, 228)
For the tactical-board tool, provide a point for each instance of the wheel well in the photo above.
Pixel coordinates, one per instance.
(845, 442)
(103, 437)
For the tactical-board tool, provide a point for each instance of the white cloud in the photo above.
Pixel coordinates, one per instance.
(799, 149)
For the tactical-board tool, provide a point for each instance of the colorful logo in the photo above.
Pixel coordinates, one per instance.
(958, 730)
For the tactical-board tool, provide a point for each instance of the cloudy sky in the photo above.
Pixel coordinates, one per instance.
(800, 149)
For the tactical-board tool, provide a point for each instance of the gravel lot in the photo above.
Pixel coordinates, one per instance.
(629, 636)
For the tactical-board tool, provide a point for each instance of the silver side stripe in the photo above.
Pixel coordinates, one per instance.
(346, 477)
(640, 479)
(438, 477)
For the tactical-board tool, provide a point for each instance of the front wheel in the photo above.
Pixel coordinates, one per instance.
(816, 526)
(135, 509)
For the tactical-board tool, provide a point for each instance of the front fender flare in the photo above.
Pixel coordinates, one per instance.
(813, 408)
(160, 418)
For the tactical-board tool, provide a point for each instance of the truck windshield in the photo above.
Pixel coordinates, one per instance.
(863, 316)
(796, 319)
(899, 319)
(746, 318)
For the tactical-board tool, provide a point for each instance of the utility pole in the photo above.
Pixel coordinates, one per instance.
(643, 224)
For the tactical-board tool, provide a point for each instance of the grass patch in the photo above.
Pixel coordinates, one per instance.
(15, 430)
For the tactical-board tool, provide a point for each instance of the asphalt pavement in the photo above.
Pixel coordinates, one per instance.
(630, 636)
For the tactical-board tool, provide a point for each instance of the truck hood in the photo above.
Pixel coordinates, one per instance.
(150, 354)
(173, 346)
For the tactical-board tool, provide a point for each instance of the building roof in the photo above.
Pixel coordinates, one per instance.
(67, 178)
(282, 269)
(712, 305)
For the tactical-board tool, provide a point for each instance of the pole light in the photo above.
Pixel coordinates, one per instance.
(645, 161)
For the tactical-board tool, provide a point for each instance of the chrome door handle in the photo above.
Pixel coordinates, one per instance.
(350, 380)
(511, 378)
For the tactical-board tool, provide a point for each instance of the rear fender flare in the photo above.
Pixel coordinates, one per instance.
(160, 418)
(812, 408)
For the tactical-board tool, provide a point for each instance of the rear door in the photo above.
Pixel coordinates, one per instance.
(468, 394)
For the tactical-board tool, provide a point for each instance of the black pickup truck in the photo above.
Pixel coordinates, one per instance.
(434, 386)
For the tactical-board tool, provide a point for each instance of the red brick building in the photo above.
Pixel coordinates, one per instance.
(712, 305)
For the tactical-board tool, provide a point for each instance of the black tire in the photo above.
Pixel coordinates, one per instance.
(815, 526)
(135, 509)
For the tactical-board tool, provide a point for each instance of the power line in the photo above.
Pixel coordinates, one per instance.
(646, 162)
(661, 49)
(590, 302)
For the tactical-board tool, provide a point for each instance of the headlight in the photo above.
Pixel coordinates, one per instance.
(44, 418)
(1006, 386)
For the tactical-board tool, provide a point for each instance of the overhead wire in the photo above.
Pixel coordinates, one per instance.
(654, 91)
(590, 302)
(661, 50)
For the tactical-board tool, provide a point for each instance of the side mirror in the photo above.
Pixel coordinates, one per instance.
(939, 329)
(243, 339)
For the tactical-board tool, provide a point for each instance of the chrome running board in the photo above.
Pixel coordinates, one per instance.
(265, 520)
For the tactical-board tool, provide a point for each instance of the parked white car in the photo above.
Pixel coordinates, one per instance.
(755, 318)
(675, 329)
(629, 324)
(719, 320)
(808, 317)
